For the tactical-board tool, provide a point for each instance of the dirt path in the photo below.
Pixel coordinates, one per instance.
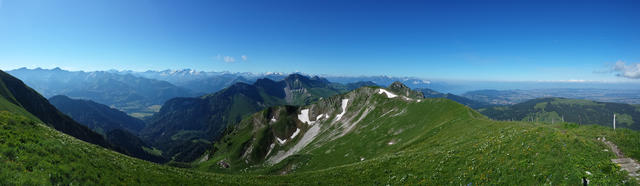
(628, 164)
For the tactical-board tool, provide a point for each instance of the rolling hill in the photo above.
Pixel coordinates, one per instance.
(550, 110)
(617, 93)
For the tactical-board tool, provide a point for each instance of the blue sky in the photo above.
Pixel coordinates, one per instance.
(465, 40)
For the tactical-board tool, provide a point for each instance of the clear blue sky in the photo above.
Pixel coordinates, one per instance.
(469, 40)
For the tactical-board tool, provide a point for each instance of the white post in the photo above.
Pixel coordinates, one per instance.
(614, 121)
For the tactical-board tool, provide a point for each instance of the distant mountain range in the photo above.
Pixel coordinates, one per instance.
(200, 82)
(187, 75)
(131, 94)
(209, 82)
(382, 80)
(141, 93)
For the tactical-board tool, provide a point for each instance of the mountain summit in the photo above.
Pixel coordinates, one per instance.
(402, 89)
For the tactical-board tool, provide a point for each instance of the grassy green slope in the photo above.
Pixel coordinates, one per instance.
(435, 141)
(523, 154)
(9, 103)
(5, 105)
(17, 93)
(32, 153)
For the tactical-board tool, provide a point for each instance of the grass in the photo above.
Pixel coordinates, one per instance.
(34, 154)
(551, 110)
(5, 105)
(576, 102)
(439, 142)
(152, 151)
(624, 119)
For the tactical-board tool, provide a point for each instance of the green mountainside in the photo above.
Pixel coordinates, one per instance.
(34, 154)
(132, 145)
(22, 98)
(279, 132)
(380, 137)
(30, 104)
(184, 127)
(377, 136)
(96, 116)
(119, 128)
(550, 110)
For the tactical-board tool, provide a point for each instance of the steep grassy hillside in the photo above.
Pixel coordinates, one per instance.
(30, 104)
(118, 127)
(34, 154)
(550, 110)
(132, 145)
(17, 94)
(96, 116)
(381, 138)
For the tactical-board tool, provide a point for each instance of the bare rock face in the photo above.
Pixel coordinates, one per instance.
(402, 89)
